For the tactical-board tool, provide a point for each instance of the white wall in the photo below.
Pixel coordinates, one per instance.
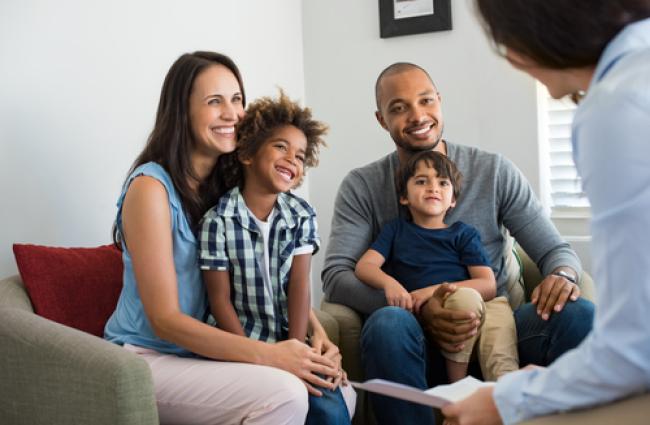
(79, 86)
(485, 102)
(79, 83)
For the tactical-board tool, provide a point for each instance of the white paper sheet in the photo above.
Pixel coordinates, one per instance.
(434, 397)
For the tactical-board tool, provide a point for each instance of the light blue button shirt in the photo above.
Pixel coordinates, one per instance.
(129, 323)
(611, 141)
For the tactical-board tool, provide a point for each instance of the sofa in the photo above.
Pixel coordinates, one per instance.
(54, 373)
(350, 324)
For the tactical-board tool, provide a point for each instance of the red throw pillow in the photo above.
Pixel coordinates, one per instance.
(76, 287)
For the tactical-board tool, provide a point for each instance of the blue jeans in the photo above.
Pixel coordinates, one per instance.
(394, 347)
(329, 409)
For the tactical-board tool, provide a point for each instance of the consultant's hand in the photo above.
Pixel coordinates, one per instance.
(397, 296)
(552, 294)
(477, 409)
(449, 328)
(304, 362)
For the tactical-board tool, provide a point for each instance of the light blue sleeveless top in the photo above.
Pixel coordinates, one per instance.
(129, 324)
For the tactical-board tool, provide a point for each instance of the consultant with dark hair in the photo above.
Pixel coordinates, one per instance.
(597, 50)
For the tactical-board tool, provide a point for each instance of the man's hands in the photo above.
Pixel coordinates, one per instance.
(552, 294)
(449, 328)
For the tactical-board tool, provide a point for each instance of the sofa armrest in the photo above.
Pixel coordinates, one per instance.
(52, 373)
(14, 295)
(349, 324)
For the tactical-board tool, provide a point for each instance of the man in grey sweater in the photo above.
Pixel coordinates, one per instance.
(497, 200)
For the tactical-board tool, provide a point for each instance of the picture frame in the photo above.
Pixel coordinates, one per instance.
(406, 17)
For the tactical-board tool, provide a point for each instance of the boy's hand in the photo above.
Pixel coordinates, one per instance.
(397, 296)
(421, 296)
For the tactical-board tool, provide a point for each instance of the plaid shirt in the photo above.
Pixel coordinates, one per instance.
(230, 240)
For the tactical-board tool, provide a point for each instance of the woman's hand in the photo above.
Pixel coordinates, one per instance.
(304, 362)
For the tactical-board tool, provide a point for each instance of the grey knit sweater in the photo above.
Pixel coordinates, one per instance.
(495, 198)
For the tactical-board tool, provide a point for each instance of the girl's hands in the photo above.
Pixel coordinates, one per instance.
(321, 344)
(304, 362)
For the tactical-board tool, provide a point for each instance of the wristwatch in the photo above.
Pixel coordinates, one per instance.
(565, 275)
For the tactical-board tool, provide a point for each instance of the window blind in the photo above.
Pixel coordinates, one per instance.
(565, 185)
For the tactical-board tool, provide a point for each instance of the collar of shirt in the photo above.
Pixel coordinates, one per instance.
(289, 209)
(631, 38)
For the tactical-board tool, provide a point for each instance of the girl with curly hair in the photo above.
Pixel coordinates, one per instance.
(257, 242)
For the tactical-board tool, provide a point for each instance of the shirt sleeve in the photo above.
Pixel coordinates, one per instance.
(471, 250)
(212, 244)
(384, 242)
(527, 222)
(350, 236)
(307, 239)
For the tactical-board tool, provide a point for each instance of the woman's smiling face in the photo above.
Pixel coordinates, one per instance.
(216, 106)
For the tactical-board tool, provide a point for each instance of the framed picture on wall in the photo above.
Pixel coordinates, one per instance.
(405, 17)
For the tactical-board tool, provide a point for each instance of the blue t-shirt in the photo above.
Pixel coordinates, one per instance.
(129, 323)
(418, 257)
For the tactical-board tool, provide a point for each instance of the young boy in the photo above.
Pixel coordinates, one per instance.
(423, 252)
(257, 242)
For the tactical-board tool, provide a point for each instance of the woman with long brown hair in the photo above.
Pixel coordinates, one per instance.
(201, 374)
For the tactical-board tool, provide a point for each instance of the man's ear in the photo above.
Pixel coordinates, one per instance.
(380, 120)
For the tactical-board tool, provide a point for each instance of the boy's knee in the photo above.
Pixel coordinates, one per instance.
(466, 299)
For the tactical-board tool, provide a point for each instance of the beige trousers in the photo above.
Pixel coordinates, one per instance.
(496, 339)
